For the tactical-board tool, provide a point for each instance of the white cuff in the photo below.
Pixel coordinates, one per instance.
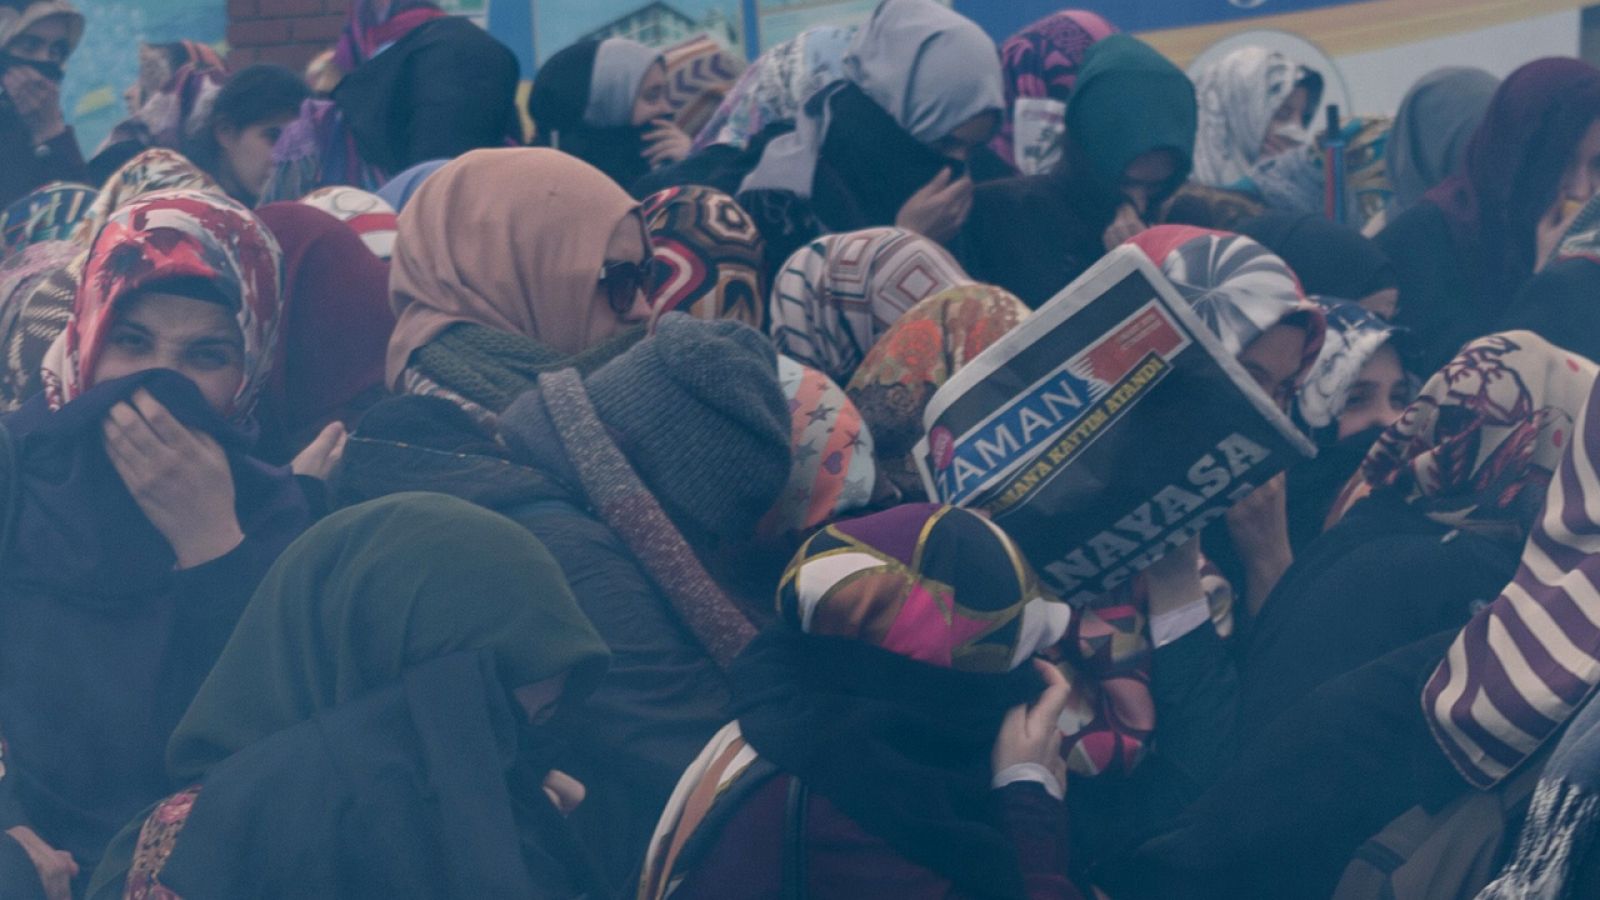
(1168, 625)
(1030, 772)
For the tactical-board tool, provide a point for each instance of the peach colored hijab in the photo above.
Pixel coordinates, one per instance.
(511, 239)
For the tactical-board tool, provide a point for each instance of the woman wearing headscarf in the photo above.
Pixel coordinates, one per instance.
(38, 145)
(1331, 260)
(913, 358)
(36, 291)
(708, 256)
(1557, 303)
(1447, 496)
(833, 299)
(1355, 389)
(1041, 64)
(606, 103)
(700, 72)
(773, 88)
(419, 85)
(478, 325)
(1130, 133)
(380, 728)
(156, 169)
(865, 759)
(625, 476)
(1435, 122)
(888, 143)
(178, 83)
(336, 327)
(140, 522)
(1462, 253)
(1344, 761)
(1254, 104)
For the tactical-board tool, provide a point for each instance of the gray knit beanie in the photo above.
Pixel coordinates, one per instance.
(698, 411)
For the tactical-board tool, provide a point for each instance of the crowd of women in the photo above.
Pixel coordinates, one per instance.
(389, 508)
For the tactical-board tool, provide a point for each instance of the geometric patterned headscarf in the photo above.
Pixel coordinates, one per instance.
(709, 254)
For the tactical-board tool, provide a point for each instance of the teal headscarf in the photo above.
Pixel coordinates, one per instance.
(1130, 100)
(372, 591)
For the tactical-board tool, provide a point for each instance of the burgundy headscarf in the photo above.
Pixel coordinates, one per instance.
(1515, 163)
(337, 319)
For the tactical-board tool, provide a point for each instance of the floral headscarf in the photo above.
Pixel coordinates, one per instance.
(773, 88)
(710, 255)
(178, 107)
(1237, 287)
(1041, 61)
(36, 291)
(163, 236)
(833, 298)
(833, 470)
(1476, 449)
(1238, 95)
(1353, 336)
(914, 358)
(156, 169)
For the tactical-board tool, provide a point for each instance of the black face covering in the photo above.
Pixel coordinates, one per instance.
(1315, 483)
(50, 70)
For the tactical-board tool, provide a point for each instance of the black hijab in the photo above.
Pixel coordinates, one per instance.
(1331, 260)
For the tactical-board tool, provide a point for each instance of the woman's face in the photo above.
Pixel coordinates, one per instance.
(629, 244)
(197, 339)
(968, 136)
(1582, 179)
(47, 40)
(1273, 360)
(1379, 395)
(247, 151)
(651, 102)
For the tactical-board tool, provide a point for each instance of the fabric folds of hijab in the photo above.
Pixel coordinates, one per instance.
(710, 254)
(699, 74)
(156, 169)
(947, 592)
(776, 85)
(16, 18)
(1526, 663)
(833, 299)
(451, 262)
(1477, 448)
(833, 471)
(1331, 260)
(1042, 61)
(1238, 95)
(397, 191)
(180, 108)
(346, 609)
(929, 68)
(336, 319)
(375, 24)
(1129, 100)
(1234, 284)
(1354, 335)
(51, 213)
(36, 291)
(619, 68)
(163, 236)
(914, 358)
(1515, 163)
(1435, 122)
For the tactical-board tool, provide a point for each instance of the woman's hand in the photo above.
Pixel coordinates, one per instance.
(1259, 524)
(1031, 735)
(322, 456)
(179, 478)
(939, 208)
(1124, 226)
(56, 867)
(564, 791)
(38, 102)
(665, 144)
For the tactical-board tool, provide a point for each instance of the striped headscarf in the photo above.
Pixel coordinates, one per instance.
(1520, 669)
(835, 297)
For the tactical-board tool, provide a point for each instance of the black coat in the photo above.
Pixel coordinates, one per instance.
(663, 697)
(1033, 235)
(1445, 298)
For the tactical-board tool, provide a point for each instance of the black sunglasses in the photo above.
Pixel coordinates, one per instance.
(624, 280)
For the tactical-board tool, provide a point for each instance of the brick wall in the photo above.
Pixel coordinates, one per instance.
(286, 32)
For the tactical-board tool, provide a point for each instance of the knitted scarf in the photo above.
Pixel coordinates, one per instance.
(483, 369)
(623, 501)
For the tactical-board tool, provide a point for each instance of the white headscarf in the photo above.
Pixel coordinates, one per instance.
(619, 68)
(928, 67)
(1238, 94)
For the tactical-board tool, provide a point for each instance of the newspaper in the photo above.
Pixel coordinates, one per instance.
(1107, 429)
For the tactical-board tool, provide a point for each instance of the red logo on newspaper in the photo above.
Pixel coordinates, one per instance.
(942, 447)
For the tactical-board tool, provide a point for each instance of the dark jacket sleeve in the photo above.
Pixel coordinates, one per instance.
(786, 222)
(25, 167)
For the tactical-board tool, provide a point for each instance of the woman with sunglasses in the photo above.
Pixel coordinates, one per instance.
(515, 272)
(36, 144)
